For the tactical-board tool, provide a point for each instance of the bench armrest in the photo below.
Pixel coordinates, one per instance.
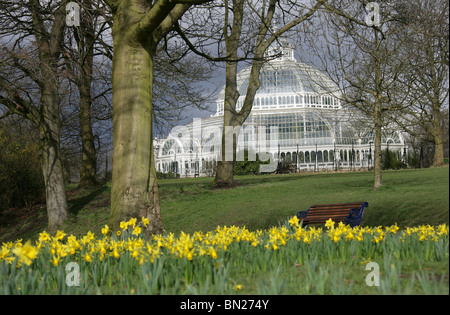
(355, 215)
(302, 214)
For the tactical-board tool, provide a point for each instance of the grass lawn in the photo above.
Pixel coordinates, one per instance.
(407, 197)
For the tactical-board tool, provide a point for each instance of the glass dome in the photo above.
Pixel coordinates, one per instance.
(296, 116)
(286, 83)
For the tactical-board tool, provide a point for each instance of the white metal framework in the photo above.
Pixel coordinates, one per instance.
(296, 116)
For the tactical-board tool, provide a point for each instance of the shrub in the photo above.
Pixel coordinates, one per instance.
(21, 180)
(285, 167)
(392, 160)
(167, 175)
(247, 167)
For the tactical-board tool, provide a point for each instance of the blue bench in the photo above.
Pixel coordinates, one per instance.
(350, 213)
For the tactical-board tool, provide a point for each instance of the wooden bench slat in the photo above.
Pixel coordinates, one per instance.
(333, 206)
(323, 220)
(337, 204)
(311, 216)
(337, 212)
(333, 210)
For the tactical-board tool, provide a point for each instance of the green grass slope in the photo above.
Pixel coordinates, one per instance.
(407, 197)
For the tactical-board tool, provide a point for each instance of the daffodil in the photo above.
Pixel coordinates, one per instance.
(123, 225)
(87, 257)
(116, 253)
(137, 230)
(442, 229)
(132, 222)
(349, 236)
(26, 253)
(55, 261)
(145, 221)
(60, 235)
(105, 230)
(329, 223)
(44, 237)
(212, 252)
(294, 221)
(90, 236)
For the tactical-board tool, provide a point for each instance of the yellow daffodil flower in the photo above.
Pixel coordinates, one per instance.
(105, 230)
(123, 225)
(329, 223)
(26, 253)
(145, 221)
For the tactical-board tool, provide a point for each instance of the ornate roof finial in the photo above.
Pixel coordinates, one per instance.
(280, 49)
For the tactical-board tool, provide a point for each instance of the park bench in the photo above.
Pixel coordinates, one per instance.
(349, 213)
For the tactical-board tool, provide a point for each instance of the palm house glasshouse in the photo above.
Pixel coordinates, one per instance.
(297, 117)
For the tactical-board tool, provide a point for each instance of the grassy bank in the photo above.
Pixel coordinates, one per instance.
(268, 256)
(288, 259)
(407, 197)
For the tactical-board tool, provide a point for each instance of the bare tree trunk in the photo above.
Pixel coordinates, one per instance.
(137, 29)
(377, 112)
(85, 37)
(437, 132)
(89, 157)
(57, 207)
(377, 165)
(224, 172)
(436, 121)
(134, 187)
(49, 50)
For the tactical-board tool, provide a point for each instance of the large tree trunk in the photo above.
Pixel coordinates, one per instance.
(377, 165)
(85, 37)
(224, 172)
(57, 207)
(377, 112)
(438, 159)
(89, 158)
(134, 187)
(437, 129)
(137, 29)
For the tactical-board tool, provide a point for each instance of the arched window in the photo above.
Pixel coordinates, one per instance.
(319, 156)
(288, 157)
(301, 156)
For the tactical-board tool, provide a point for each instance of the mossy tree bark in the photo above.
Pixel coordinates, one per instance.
(138, 26)
(55, 189)
(49, 50)
(85, 38)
